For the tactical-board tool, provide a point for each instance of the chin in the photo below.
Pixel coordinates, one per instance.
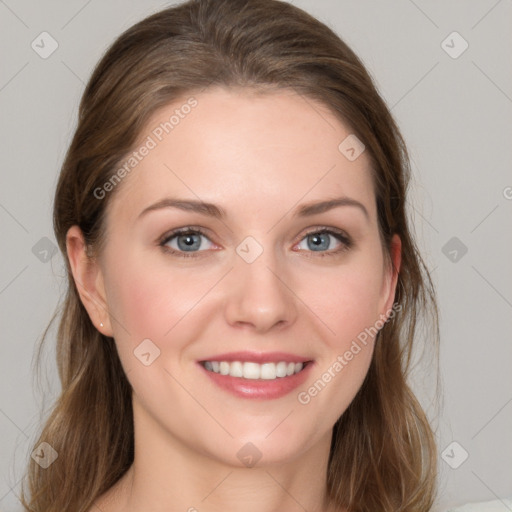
(258, 448)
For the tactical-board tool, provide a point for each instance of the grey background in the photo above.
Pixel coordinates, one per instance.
(455, 116)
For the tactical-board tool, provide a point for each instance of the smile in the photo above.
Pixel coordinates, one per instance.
(254, 371)
(263, 380)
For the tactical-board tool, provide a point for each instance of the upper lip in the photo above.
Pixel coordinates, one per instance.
(258, 357)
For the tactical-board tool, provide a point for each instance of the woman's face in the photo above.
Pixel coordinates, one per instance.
(256, 278)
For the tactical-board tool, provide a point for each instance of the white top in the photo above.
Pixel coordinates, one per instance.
(488, 506)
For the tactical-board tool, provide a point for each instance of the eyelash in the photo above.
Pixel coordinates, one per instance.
(340, 235)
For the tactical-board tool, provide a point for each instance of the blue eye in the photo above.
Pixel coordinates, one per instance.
(320, 242)
(187, 242)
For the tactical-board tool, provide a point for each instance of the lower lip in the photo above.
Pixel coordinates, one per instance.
(259, 388)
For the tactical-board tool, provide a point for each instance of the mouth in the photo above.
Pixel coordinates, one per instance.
(255, 371)
(252, 375)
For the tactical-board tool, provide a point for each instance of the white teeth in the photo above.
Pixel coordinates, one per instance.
(268, 371)
(236, 369)
(281, 369)
(251, 370)
(223, 368)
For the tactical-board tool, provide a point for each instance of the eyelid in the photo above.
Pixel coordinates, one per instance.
(326, 229)
(178, 231)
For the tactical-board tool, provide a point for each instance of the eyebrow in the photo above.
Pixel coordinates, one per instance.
(217, 212)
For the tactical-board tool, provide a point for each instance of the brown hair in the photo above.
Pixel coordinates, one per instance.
(383, 455)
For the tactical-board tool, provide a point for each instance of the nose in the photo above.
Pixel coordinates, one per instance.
(258, 295)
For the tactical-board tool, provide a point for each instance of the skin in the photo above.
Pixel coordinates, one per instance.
(259, 157)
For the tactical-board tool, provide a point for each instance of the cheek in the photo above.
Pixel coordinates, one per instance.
(346, 301)
(150, 300)
(349, 305)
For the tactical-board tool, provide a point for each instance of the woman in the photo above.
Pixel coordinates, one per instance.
(243, 286)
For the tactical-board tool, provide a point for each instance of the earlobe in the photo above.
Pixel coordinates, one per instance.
(392, 274)
(88, 280)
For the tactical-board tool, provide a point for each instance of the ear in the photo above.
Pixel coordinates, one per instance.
(391, 277)
(89, 280)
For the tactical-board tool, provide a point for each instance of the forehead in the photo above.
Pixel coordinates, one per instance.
(245, 151)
